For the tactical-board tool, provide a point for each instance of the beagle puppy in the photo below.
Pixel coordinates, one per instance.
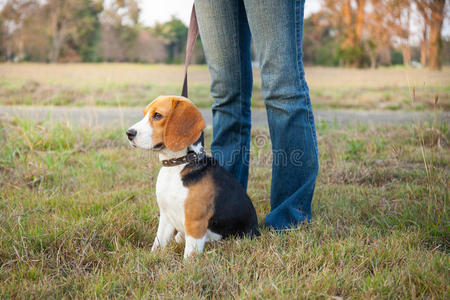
(197, 198)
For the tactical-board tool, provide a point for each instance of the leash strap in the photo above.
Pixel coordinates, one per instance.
(190, 44)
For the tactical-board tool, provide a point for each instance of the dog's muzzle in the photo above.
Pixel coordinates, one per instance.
(131, 133)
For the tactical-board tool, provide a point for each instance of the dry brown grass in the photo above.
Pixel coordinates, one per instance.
(135, 84)
(88, 75)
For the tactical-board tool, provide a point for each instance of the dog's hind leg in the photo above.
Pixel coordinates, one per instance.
(212, 237)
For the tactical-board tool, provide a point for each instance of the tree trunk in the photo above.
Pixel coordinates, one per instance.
(423, 53)
(373, 60)
(56, 47)
(406, 51)
(437, 17)
(424, 47)
(348, 20)
(354, 28)
(359, 26)
(360, 20)
(57, 33)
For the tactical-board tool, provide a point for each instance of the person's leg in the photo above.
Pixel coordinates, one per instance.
(226, 39)
(276, 28)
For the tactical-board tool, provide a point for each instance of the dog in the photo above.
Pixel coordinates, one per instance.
(198, 199)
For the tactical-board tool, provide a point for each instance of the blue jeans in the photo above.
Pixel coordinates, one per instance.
(276, 26)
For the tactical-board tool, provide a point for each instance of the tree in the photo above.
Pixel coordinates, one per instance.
(433, 15)
(423, 10)
(174, 33)
(320, 45)
(348, 16)
(354, 21)
(405, 33)
(3, 36)
(379, 37)
(364, 28)
(120, 30)
(62, 18)
(87, 35)
(75, 20)
(76, 30)
(399, 17)
(436, 20)
(15, 17)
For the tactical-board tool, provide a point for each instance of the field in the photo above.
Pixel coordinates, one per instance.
(78, 216)
(78, 213)
(135, 85)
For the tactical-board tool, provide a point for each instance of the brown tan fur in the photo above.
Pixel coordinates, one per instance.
(163, 106)
(184, 125)
(181, 123)
(199, 206)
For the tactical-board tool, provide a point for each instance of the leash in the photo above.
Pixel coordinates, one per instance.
(191, 157)
(190, 44)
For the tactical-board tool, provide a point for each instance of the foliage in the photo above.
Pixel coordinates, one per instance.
(397, 57)
(174, 34)
(88, 36)
(85, 36)
(319, 43)
(354, 33)
(41, 31)
(365, 31)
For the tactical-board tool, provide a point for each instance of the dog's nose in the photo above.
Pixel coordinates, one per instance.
(131, 133)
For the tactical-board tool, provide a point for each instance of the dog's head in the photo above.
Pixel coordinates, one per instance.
(171, 122)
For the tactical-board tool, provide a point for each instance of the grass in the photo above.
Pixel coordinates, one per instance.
(136, 84)
(78, 217)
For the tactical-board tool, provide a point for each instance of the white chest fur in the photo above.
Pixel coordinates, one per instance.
(171, 195)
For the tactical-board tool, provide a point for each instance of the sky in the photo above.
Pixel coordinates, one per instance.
(154, 11)
(159, 11)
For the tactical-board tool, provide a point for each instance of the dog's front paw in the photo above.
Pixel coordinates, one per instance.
(156, 245)
(188, 254)
(193, 246)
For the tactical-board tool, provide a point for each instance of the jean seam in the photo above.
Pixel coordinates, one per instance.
(297, 52)
(238, 48)
(301, 85)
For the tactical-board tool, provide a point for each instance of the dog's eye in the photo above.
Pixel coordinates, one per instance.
(157, 116)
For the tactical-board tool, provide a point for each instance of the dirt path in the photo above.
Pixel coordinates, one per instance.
(113, 116)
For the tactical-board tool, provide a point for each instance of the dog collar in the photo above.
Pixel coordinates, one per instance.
(190, 158)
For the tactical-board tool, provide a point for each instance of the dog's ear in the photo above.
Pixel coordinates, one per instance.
(183, 126)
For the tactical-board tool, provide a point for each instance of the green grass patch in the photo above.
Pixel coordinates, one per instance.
(78, 217)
